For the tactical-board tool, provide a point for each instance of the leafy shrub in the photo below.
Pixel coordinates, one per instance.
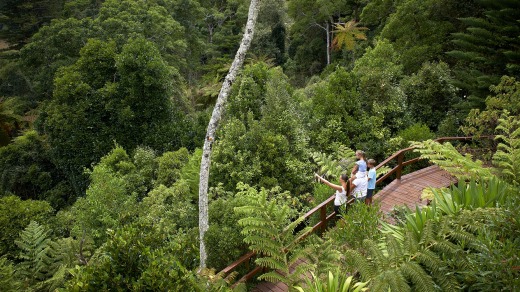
(223, 237)
(8, 280)
(170, 164)
(107, 205)
(138, 257)
(26, 170)
(360, 222)
(267, 228)
(15, 215)
(333, 283)
(507, 156)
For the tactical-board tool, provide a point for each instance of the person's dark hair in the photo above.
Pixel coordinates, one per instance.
(344, 177)
(371, 162)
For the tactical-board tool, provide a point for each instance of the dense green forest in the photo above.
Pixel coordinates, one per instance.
(104, 107)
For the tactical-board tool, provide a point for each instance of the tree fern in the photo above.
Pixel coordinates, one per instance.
(347, 34)
(268, 231)
(389, 267)
(447, 157)
(8, 279)
(45, 263)
(342, 161)
(33, 243)
(507, 157)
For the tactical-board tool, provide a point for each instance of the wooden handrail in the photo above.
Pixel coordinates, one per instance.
(399, 155)
(322, 207)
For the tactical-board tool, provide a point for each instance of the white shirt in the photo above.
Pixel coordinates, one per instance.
(360, 190)
(341, 197)
(361, 174)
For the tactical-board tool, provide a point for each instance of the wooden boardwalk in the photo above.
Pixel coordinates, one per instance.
(406, 191)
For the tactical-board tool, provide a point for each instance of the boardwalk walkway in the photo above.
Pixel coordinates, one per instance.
(406, 191)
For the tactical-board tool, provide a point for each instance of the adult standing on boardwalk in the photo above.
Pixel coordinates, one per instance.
(341, 191)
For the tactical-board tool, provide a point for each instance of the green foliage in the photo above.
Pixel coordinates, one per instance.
(108, 204)
(8, 280)
(337, 282)
(190, 173)
(169, 208)
(449, 158)
(335, 114)
(347, 34)
(15, 215)
(223, 221)
(27, 170)
(35, 265)
(335, 166)
(487, 50)
(416, 132)
(8, 118)
(420, 30)
(271, 32)
(360, 222)
(52, 47)
(90, 109)
(453, 249)
(506, 98)
(257, 146)
(430, 94)
(379, 72)
(487, 193)
(169, 166)
(138, 257)
(268, 231)
(507, 156)
(390, 268)
(20, 19)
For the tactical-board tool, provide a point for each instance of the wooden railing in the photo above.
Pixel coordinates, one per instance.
(248, 259)
(325, 218)
(400, 155)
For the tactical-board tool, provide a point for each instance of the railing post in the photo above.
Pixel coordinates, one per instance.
(400, 159)
(323, 217)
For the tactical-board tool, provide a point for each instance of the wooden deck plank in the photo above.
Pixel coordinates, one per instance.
(408, 190)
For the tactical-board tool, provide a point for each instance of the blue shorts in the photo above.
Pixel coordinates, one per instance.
(370, 193)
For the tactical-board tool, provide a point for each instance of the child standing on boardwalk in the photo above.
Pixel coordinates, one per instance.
(360, 167)
(372, 175)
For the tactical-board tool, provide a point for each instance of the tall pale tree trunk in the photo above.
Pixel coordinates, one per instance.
(213, 124)
(327, 30)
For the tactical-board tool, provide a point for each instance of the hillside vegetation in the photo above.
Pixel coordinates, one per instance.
(104, 107)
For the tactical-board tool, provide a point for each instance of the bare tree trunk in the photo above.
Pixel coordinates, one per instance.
(327, 30)
(213, 124)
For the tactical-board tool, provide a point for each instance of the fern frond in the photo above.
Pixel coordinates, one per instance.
(447, 157)
(273, 277)
(361, 264)
(507, 157)
(271, 263)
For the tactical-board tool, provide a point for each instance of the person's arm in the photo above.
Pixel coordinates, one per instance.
(355, 169)
(352, 185)
(333, 186)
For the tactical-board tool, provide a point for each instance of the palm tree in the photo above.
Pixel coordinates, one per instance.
(347, 34)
